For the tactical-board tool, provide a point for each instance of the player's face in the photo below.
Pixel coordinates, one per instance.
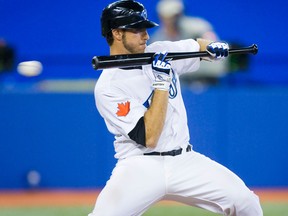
(134, 40)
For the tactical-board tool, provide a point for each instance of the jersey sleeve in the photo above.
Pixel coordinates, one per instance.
(183, 65)
(120, 112)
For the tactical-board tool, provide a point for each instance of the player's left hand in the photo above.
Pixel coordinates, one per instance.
(161, 69)
(218, 50)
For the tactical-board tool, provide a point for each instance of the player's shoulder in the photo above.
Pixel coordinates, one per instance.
(104, 78)
(115, 80)
(104, 81)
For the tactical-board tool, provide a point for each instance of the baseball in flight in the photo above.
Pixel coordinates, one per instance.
(30, 68)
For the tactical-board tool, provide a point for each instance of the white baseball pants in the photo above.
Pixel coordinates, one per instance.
(139, 182)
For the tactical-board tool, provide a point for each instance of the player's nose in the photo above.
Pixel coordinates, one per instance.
(145, 35)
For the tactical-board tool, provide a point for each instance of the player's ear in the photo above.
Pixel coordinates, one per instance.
(117, 33)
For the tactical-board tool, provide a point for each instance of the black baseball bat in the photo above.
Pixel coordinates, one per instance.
(131, 60)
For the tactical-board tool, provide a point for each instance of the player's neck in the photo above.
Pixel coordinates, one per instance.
(117, 50)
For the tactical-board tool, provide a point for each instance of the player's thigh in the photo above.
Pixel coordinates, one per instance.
(135, 184)
(207, 184)
(197, 171)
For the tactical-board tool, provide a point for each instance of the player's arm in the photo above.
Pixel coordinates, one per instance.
(203, 43)
(149, 128)
(155, 116)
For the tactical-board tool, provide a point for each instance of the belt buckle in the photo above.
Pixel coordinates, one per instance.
(173, 153)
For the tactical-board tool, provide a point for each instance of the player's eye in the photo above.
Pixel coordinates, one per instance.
(136, 31)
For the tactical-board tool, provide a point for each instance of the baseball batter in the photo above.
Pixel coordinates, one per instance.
(144, 109)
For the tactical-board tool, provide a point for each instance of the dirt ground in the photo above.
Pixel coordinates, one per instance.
(88, 197)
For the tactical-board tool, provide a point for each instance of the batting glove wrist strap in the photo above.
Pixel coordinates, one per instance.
(218, 50)
(161, 69)
(164, 86)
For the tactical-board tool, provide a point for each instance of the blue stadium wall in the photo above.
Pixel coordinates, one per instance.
(63, 137)
(242, 125)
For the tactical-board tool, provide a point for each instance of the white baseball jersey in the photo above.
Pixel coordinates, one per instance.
(123, 95)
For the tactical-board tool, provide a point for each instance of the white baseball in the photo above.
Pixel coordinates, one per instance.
(30, 68)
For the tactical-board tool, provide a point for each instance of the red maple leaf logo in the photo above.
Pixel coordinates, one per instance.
(123, 108)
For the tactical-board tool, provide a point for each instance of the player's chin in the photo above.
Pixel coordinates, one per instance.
(142, 48)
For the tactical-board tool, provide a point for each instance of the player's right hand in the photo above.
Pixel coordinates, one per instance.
(161, 69)
(218, 50)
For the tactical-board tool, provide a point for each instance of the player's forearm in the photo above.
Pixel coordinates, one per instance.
(203, 43)
(154, 117)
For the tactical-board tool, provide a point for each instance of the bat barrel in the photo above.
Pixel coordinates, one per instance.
(103, 62)
(95, 62)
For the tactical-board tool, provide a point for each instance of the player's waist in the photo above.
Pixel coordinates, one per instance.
(170, 153)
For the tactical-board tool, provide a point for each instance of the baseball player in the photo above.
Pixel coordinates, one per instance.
(144, 109)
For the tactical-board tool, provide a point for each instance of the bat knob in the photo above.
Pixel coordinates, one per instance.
(254, 49)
